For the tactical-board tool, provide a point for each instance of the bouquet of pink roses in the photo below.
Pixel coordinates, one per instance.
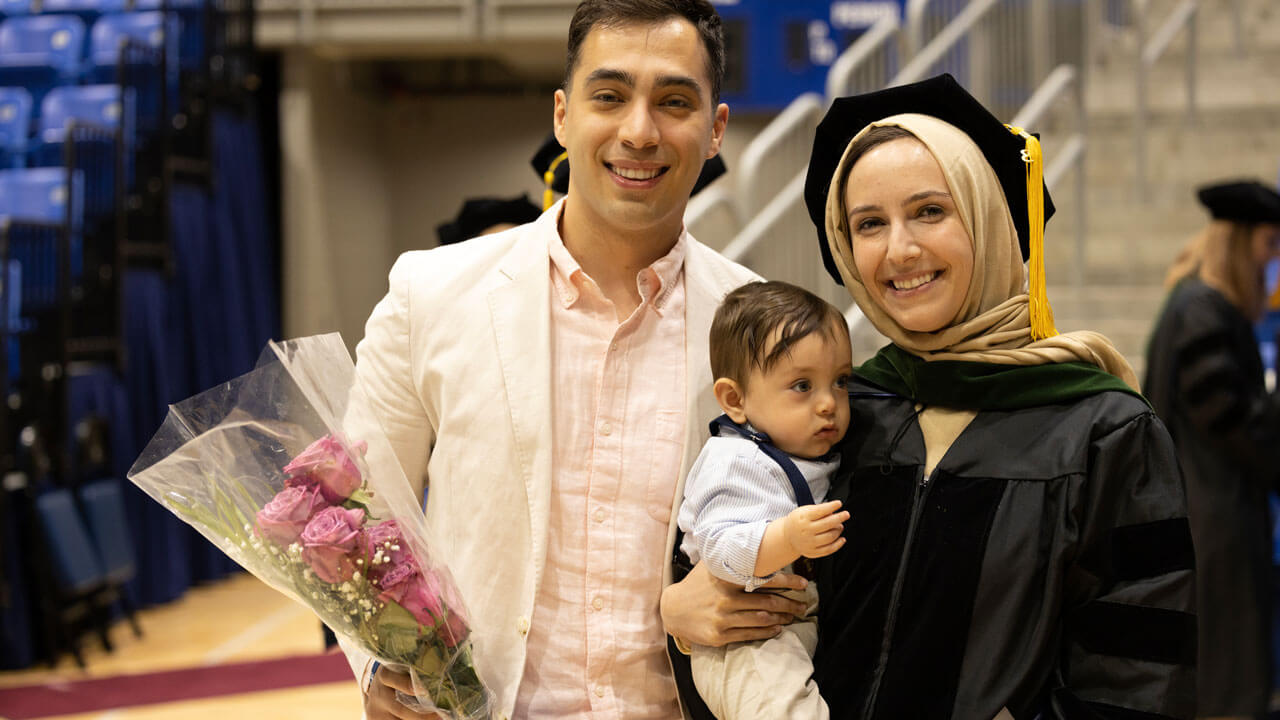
(288, 472)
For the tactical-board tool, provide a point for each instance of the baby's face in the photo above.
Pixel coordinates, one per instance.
(802, 402)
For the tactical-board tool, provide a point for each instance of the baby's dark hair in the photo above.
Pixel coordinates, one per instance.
(748, 317)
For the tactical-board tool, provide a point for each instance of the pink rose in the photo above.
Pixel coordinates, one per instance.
(326, 464)
(387, 538)
(423, 597)
(281, 520)
(329, 543)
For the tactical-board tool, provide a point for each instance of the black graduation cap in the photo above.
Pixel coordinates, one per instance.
(551, 157)
(1243, 201)
(941, 97)
(479, 214)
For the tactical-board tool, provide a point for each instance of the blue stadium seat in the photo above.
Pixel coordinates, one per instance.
(41, 52)
(191, 13)
(91, 8)
(104, 107)
(53, 196)
(156, 35)
(110, 32)
(41, 195)
(15, 126)
(87, 10)
(10, 8)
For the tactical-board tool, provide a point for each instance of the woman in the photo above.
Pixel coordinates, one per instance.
(1204, 378)
(1018, 545)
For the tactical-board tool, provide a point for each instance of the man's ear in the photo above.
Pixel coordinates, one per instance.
(719, 123)
(557, 115)
(732, 399)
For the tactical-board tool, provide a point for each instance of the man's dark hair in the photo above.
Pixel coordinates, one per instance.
(749, 316)
(612, 13)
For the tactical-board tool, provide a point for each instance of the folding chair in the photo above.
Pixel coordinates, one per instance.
(109, 527)
(76, 568)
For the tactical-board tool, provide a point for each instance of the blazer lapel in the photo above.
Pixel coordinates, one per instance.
(703, 292)
(520, 309)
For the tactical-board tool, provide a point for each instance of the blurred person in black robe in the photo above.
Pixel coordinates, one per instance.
(1205, 380)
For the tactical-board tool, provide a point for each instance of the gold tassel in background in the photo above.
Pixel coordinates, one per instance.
(549, 177)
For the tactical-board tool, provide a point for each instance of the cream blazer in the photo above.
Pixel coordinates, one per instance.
(456, 360)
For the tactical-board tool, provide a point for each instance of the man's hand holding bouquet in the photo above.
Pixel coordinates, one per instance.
(287, 471)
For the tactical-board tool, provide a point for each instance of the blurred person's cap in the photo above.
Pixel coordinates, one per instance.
(1242, 201)
(480, 216)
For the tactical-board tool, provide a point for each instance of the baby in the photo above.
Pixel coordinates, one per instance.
(753, 502)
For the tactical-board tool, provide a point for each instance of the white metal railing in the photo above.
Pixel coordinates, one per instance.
(780, 244)
(869, 62)
(291, 23)
(780, 151)
(1237, 25)
(925, 19)
(777, 241)
(1149, 51)
(712, 215)
(1064, 79)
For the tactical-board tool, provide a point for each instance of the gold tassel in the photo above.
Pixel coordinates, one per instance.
(1041, 314)
(548, 178)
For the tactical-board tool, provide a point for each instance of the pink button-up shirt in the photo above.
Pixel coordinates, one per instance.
(596, 647)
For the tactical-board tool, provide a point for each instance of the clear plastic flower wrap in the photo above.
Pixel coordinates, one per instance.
(286, 469)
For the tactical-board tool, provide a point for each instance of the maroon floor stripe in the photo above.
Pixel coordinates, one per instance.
(105, 693)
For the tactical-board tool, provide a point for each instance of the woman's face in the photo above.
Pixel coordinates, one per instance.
(909, 244)
(1266, 243)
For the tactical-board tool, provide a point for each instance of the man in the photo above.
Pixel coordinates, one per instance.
(548, 384)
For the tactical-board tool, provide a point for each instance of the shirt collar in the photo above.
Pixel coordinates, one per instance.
(654, 282)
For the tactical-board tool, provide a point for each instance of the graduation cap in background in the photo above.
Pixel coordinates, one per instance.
(1013, 154)
(479, 214)
(1242, 201)
(551, 162)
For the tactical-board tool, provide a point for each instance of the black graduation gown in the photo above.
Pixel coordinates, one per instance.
(1204, 379)
(1044, 567)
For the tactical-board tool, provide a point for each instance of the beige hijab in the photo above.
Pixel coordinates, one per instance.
(993, 324)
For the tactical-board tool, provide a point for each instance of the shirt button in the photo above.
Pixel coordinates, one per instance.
(599, 691)
(606, 428)
(598, 516)
(522, 626)
(597, 603)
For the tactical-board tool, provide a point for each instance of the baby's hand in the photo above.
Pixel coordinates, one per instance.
(814, 530)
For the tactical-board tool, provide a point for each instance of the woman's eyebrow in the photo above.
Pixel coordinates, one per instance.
(926, 194)
(923, 194)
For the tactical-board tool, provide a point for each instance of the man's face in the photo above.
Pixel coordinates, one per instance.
(638, 123)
